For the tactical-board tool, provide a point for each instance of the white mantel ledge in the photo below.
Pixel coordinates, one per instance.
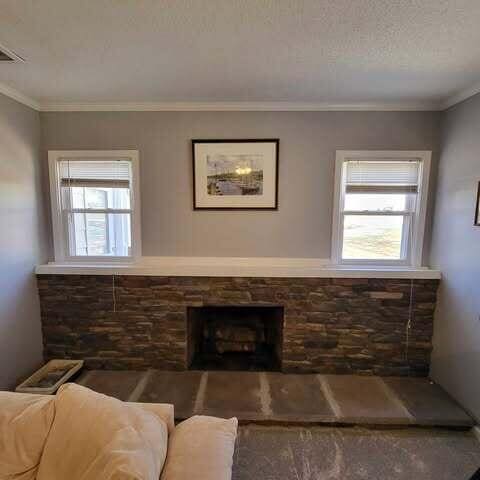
(236, 267)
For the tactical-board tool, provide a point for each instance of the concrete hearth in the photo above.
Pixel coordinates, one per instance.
(270, 397)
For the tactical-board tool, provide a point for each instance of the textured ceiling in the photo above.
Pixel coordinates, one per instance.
(337, 51)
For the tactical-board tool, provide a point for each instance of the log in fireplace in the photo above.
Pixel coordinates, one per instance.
(234, 337)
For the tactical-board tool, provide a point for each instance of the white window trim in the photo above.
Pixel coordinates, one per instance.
(418, 218)
(60, 233)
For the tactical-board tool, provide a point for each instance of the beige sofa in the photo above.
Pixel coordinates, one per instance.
(81, 434)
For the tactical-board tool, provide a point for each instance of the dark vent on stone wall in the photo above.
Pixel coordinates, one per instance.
(7, 56)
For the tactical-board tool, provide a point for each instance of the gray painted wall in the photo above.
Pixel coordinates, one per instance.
(456, 251)
(308, 140)
(23, 242)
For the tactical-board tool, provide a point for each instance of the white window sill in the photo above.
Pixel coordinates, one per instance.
(237, 267)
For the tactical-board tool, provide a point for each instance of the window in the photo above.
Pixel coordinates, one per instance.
(379, 208)
(95, 205)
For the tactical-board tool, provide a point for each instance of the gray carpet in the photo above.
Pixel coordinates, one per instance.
(323, 453)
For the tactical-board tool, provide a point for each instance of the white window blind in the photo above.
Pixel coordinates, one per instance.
(85, 173)
(363, 176)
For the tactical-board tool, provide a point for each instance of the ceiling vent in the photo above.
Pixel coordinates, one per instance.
(7, 55)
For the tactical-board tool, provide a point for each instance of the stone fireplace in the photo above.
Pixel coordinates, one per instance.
(379, 326)
(237, 337)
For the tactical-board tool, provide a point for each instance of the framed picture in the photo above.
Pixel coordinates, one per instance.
(235, 174)
(477, 209)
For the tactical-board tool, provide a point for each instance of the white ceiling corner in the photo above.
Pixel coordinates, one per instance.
(461, 96)
(19, 97)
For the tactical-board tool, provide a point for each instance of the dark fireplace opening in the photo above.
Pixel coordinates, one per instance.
(235, 338)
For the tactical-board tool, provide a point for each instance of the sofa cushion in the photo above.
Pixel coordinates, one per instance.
(201, 448)
(162, 410)
(25, 421)
(98, 437)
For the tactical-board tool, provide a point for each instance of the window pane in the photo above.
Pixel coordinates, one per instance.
(372, 237)
(101, 234)
(94, 197)
(379, 202)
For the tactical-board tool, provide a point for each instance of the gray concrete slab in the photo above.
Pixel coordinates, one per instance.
(178, 388)
(115, 383)
(279, 398)
(427, 402)
(318, 453)
(243, 395)
(362, 399)
(296, 398)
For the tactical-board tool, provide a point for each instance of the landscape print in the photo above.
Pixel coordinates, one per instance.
(235, 174)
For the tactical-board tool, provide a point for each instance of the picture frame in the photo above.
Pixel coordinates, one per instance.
(235, 174)
(476, 221)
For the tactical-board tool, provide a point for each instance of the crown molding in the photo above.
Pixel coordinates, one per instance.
(217, 106)
(461, 96)
(236, 107)
(19, 97)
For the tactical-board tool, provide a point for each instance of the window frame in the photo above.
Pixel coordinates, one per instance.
(417, 223)
(60, 228)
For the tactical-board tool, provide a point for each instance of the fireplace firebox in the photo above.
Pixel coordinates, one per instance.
(235, 337)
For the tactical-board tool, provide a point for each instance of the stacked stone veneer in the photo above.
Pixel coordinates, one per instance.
(330, 325)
